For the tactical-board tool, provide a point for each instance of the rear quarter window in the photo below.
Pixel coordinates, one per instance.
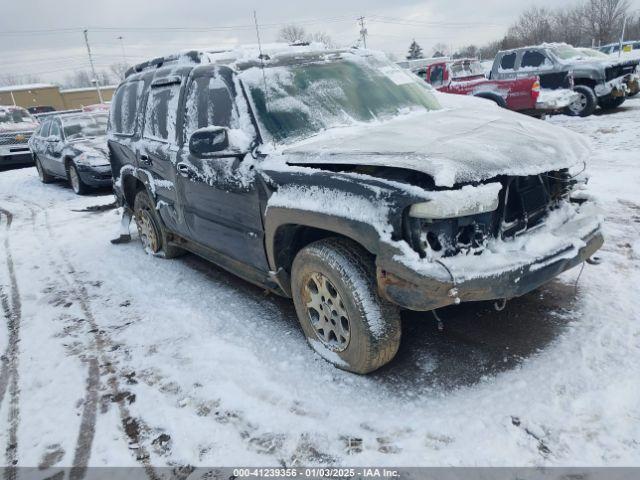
(125, 106)
(532, 59)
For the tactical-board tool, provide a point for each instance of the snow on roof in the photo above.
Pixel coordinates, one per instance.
(421, 62)
(88, 89)
(28, 86)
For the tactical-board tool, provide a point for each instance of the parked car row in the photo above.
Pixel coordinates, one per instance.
(342, 181)
(16, 127)
(538, 79)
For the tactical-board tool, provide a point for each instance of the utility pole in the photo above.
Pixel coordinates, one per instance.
(363, 32)
(124, 55)
(93, 68)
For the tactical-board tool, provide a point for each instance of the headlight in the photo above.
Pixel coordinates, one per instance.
(464, 202)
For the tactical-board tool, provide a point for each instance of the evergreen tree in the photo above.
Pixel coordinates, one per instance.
(415, 51)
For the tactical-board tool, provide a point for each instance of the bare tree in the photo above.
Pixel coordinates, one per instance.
(440, 50)
(603, 18)
(534, 26)
(10, 79)
(324, 38)
(83, 78)
(292, 34)
(118, 70)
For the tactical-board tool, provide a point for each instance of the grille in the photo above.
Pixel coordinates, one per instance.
(527, 200)
(17, 138)
(619, 71)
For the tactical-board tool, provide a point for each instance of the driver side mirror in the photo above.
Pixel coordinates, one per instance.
(218, 142)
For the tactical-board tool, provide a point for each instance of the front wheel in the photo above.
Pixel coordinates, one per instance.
(77, 185)
(338, 306)
(586, 103)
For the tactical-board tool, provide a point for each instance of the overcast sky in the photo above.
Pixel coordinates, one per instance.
(45, 38)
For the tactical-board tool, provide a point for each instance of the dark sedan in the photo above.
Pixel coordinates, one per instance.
(73, 147)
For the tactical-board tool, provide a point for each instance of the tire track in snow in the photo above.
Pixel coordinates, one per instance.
(12, 307)
(99, 359)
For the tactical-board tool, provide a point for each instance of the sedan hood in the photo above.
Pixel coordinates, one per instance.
(470, 140)
(92, 146)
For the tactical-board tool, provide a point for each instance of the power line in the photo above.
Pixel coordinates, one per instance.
(363, 32)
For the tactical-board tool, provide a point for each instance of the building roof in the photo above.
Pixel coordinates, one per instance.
(88, 89)
(28, 86)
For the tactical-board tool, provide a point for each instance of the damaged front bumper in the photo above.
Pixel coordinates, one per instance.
(516, 268)
(555, 100)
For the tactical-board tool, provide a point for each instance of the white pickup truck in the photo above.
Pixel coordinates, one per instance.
(16, 127)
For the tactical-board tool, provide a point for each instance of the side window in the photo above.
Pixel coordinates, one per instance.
(44, 129)
(209, 103)
(161, 114)
(55, 129)
(508, 61)
(436, 77)
(124, 108)
(533, 59)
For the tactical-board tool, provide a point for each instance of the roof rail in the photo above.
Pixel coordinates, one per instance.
(192, 56)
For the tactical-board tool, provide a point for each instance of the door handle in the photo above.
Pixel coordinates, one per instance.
(145, 159)
(184, 169)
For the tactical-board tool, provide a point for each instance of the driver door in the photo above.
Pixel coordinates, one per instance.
(220, 200)
(54, 149)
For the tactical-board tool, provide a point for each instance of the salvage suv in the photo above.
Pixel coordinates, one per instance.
(338, 179)
(16, 127)
(604, 83)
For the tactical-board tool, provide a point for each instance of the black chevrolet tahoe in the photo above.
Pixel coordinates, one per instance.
(336, 178)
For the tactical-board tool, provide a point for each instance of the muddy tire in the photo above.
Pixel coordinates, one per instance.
(42, 173)
(151, 230)
(586, 103)
(75, 180)
(611, 103)
(344, 319)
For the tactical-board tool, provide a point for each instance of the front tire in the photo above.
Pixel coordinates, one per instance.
(77, 185)
(334, 290)
(151, 230)
(42, 173)
(586, 103)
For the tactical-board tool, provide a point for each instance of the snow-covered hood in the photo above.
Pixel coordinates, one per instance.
(467, 142)
(92, 146)
(17, 127)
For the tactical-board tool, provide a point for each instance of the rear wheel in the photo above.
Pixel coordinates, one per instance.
(150, 228)
(77, 185)
(339, 309)
(42, 173)
(611, 103)
(586, 103)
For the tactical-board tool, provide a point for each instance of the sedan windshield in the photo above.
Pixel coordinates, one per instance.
(84, 126)
(343, 89)
(15, 115)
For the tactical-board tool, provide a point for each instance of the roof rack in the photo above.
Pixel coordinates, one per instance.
(193, 56)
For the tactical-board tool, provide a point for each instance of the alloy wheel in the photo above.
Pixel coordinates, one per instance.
(580, 104)
(327, 312)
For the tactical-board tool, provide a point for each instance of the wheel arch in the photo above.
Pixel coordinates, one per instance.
(287, 231)
(494, 97)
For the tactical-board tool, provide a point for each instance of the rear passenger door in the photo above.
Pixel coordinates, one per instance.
(157, 152)
(221, 201)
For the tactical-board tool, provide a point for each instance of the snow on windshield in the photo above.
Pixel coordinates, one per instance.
(77, 127)
(306, 98)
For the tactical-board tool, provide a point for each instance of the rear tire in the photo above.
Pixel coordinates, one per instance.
(611, 103)
(42, 173)
(151, 230)
(585, 105)
(77, 185)
(344, 319)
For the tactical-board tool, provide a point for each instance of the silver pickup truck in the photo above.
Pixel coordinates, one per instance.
(16, 127)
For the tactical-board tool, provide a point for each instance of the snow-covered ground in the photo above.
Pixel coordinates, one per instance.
(124, 359)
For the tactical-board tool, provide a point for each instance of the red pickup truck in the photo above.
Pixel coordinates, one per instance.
(466, 77)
